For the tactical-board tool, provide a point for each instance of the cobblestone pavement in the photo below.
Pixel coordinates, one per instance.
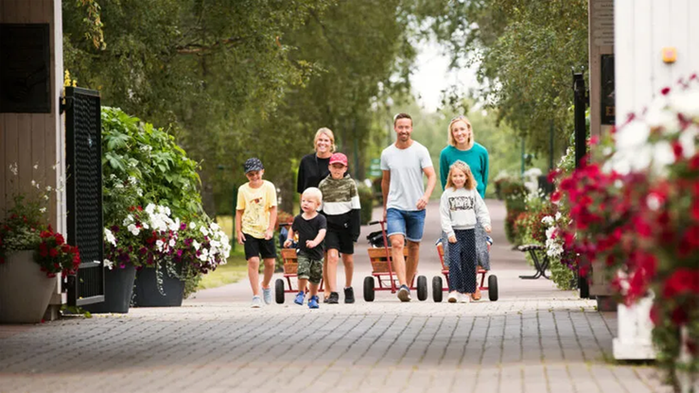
(535, 338)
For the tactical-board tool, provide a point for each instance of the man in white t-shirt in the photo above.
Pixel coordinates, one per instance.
(405, 198)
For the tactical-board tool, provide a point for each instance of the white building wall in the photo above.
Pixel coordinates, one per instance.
(642, 29)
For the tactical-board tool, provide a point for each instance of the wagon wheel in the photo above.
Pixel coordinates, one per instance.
(279, 291)
(421, 288)
(492, 288)
(437, 289)
(369, 289)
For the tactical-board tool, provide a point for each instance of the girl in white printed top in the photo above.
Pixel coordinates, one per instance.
(459, 207)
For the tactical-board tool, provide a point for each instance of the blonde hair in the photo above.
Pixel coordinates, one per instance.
(470, 183)
(450, 135)
(313, 192)
(327, 132)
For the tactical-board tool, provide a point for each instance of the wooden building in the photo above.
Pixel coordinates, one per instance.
(31, 126)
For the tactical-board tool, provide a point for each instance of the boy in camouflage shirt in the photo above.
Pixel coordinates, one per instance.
(342, 209)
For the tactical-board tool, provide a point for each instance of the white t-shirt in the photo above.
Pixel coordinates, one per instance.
(406, 167)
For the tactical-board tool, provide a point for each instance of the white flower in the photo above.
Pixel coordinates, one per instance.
(159, 243)
(196, 245)
(13, 168)
(133, 229)
(203, 230)
(48, 188)
(42, 210)
(108, 264)
(192, 225)
(132, 180)
(110, 237)
(653, 202)
(150, 209)
(174, 225)
(548, 220)
(204, 255)
(558, 216)
(36, 166)
(172, 243)
(214, 226)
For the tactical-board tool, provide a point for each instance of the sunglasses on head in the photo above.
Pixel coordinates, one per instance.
(460, 117)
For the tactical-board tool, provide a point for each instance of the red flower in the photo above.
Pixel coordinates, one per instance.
(682, 281)
(59, 239)
(53, 252)
(694, 162)
(665, 91)
(677, 149)
(43, 250)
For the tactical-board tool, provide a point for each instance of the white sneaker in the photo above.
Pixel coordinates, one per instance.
(256, 302)
(453, 297)
(464, 298)
(267, 295)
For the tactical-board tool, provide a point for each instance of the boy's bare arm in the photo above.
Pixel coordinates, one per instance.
(319, 238)
(238, 226)
(272, 222)
(289, 238)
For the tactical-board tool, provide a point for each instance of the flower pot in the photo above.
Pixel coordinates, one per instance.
(25, 291)
(634, 341)
(118, 289)
(147, 293)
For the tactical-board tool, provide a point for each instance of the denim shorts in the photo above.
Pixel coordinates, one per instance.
(407, 223)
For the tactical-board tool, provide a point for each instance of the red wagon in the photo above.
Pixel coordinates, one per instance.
(291, 266)
(438, 288)
(382, 269)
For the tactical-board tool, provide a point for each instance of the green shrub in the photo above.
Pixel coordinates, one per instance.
(148, 160)
(366, 199)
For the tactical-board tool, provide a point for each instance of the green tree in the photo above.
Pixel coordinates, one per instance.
(207, 69)
(524, 51)
(360, 49)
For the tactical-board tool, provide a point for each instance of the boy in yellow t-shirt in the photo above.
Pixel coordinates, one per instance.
(255, 216)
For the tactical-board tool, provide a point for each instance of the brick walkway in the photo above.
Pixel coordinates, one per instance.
(534, 339)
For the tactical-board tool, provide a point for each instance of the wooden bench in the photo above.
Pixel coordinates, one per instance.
(539, 266)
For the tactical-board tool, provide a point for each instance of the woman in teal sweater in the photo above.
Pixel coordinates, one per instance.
(463, 147)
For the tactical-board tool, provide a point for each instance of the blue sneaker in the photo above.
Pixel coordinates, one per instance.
(299, 298)
(313, 302)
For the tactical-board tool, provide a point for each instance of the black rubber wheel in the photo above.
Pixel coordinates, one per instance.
(492, 288)
(421, 288)
(279, 291)
(369, 289)
(437, 289)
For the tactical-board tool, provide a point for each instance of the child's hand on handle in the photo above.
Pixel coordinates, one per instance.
(452, 239)
(311, 244)
(268, 234)
(241, 238)
(487, 228)
(287, 243)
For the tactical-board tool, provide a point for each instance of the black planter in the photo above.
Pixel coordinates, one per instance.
(148, 295)
(118, 288)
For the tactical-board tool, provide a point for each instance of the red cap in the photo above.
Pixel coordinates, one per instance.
(338, 158)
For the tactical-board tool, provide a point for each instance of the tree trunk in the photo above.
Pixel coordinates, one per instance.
(207, 195)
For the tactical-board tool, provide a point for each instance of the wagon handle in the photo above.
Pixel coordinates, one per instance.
(388, 254)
